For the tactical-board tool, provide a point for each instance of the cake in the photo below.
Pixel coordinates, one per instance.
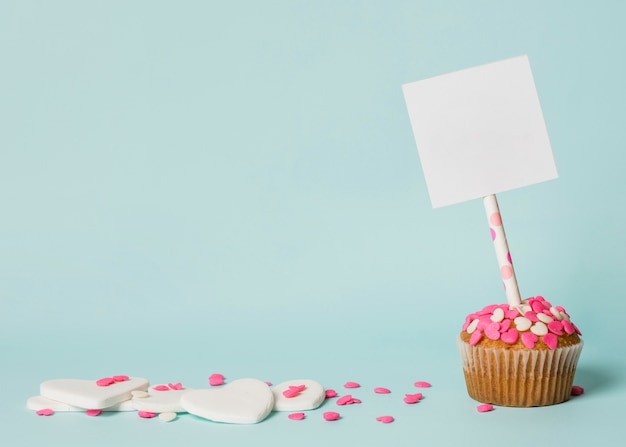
(520, 356)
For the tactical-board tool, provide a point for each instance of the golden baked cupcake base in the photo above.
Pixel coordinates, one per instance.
(520, 356)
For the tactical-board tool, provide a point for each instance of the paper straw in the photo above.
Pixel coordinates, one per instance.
(502, 250)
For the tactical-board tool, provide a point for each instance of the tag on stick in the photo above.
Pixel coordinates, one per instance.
(479, 131)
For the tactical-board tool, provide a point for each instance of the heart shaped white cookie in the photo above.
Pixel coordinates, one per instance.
(298, 395)
(243, 401)
(37, 403)
(87, 394)
(164, 400)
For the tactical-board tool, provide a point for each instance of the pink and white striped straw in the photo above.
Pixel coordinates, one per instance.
(502, 250)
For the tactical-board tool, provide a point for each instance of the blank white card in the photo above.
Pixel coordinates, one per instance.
(479, 131)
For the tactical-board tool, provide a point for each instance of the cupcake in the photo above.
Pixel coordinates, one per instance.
(520, 356)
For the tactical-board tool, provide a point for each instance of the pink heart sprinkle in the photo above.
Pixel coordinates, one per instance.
(568, 327)
(422, 385)
(331, 416)
(412, 398)
(556, 327)
(529, 339)
(120, 378)
(505, 325)
(475, 337)
(488, 309)
(330, 394)
(161, 388)
(381, 390)
(492, 332)
(484, 408)
(345, 400)
(510, 337)
(45, 412)
(351, 385)
(532, 316)
(296, 416)
(468, 320)
(536, 306)
(175, 386)
(105, 382)
(293, 391)
(93, 413)
(216, 379)
(577, 390)
(550, 340)
(511, 314)
(484, 321)
(146, 414)
(385, 419)
(268, 383)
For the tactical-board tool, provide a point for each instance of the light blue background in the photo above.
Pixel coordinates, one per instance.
(198, 187)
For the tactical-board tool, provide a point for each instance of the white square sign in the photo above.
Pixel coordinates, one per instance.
(479, 131)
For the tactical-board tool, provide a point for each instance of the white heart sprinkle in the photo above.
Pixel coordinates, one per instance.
(498, 315)
(473, 325)
(167, 416)
(522, 324)
(545, 318)
(139, 394)
(539, 328)
(554, 311)
(523, 308)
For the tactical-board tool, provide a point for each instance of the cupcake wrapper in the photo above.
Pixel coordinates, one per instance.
(519, 377)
